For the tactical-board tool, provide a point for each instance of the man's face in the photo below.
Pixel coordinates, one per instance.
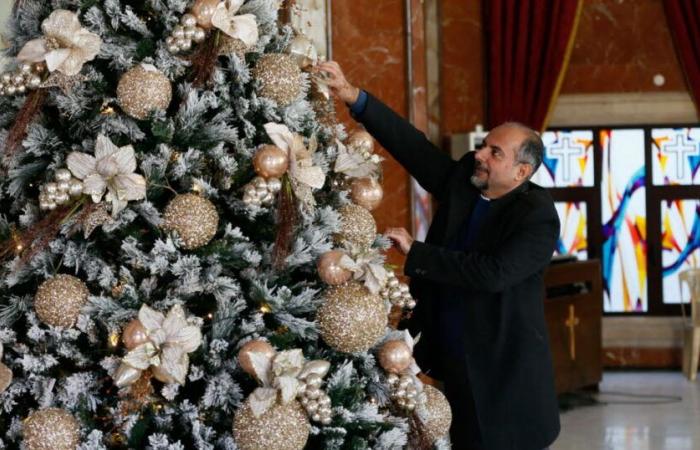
(496, 170)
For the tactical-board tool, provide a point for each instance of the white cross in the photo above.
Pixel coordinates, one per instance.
(564, 154)
(681, 149)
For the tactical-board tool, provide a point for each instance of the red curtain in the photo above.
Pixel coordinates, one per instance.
(683, 18)
(528, 43)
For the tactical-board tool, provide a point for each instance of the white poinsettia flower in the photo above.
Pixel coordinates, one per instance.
(170, 339)
(111, 170)
(65, 46)
(243, 26)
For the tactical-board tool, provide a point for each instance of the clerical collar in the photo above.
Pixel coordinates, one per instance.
(485, 197)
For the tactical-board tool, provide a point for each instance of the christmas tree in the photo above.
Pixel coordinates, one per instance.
(188, 258)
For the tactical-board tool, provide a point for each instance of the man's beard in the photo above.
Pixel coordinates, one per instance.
(479, 183)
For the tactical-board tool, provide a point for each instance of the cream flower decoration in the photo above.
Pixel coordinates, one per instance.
(111, 170)
(170, 339)
(65, 46)
(243, 27)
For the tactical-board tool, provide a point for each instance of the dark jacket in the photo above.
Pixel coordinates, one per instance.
(500, 282)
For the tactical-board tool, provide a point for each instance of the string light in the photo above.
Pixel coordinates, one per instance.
(114, 339)
(265, 308)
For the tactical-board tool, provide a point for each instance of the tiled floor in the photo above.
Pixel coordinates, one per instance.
(668, 426)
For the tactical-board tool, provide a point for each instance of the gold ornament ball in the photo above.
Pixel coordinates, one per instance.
(279, 78)
(141, 91)
(357, 226)
(254, 346)
(194, 218)
(51, 429)
(203, 10)
(5, 377)
(330, 270)
(435, 413)
(361, 141)
(282, 427)
(351, 319)
(134, 334)
(58, 301)
(232, 46)
(270, 161)
(395, 356)
(366, 192)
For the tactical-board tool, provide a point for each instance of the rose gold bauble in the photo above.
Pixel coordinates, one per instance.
(134, 334)
(366, 192)
(203, 10)
(255, 346)
(361, 141)
(270, 161)
(395, 356)
(330, 270)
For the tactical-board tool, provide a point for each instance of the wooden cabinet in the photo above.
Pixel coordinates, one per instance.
(573, 309)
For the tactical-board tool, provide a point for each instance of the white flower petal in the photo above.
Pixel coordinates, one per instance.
(126, 375)
(175, 363)
(104, 147)
(261, 400)
(129, 187)
(175, 320)
(150, 318)
(280, 135)
(55, 59)
(33, 51)
(288, 387)
(126, 159)
(142, 356)
(94, 185)
(311, 176)
(81, 164)
(188, 338)
(62, 25)
(244, 28)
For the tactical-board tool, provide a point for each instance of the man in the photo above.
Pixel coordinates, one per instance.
(477, 276)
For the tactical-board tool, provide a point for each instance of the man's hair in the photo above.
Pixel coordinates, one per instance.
(531, 150)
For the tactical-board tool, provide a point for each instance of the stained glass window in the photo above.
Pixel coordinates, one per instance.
(676, 156)
(623, 211)
(573, 237)
(680, 244)
(568, 159)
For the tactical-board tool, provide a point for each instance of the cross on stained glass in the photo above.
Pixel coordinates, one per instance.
(681, 150)
(565, 153)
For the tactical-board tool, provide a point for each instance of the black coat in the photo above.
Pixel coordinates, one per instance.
(500, 282)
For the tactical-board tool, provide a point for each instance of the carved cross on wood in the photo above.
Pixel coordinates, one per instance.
(571, 322)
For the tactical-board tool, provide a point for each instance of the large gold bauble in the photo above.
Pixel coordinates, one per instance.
(134, 334)
(435, 413)
(194, 218)
(270, 161)
(330, 270)
(358, 227)
(395, 356)
(232, 46)
(279, 78)
(254, 346)
(142, 90)
(351, 319)
(51, 429)
(360, 141)
(203, 10)
(58, 300)
(5, 377)
(366, 192)
(282, 427)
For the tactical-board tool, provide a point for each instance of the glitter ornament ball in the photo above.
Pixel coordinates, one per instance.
(366, 192)
(232, 46)
(134, 334)
(194, 218)
(279, 78)
(270, 161)
(282, 427)
(351, 319)
(330, 270)
(144, 89)
(435, 413)
(358, 227)
(51, 429)
(395, 356)
(254, 346)
(5, 377)
(58, 300)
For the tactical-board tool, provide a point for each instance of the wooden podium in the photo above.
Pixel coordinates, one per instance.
(573, 310)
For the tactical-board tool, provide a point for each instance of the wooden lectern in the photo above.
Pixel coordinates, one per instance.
(573, 309)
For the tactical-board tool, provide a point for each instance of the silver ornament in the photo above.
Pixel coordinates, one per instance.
(62, 175)
(188, 20)
(178, 32)
(75, 187)
(199, 35)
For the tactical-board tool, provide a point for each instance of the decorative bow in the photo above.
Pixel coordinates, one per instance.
(304, 175)
(354, 164)
(283, 376)
(65, 46)
(367, 267)
(304, 52)
(243, 27)
(170, 339)
(111, 169)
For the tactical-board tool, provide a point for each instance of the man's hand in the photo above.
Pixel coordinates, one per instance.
(340, 87)
(401, 239)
